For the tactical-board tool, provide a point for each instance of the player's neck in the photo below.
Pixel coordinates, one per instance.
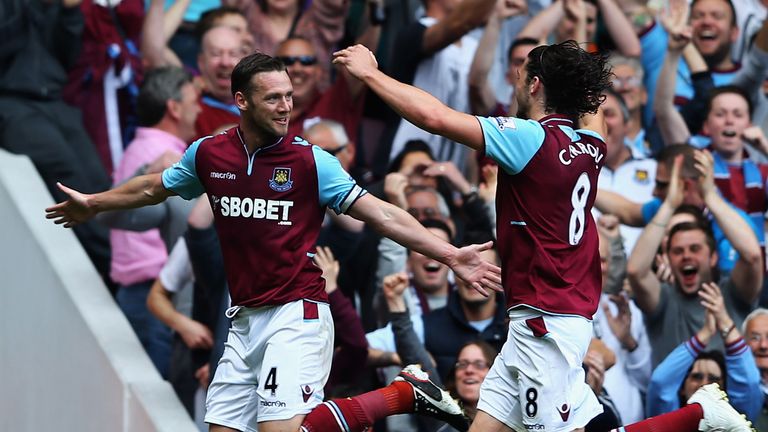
(537, 112)
(253, 138)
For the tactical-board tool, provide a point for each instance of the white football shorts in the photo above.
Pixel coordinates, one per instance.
(537, 382)
(275, 363)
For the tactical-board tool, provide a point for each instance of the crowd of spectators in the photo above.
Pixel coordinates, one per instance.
(100, 90)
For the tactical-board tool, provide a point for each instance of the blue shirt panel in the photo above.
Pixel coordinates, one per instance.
(510, 141)
(181, 178)
(334, 184)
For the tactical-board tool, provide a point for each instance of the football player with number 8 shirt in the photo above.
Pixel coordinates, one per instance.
(547, 239)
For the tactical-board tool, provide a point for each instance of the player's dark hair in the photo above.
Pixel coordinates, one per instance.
(209, 19)
(411, 146)
(160, 85)
(520, 42)
(715, 356)
(574, 80)
(730, 6)
(693, 226)
(729, 89)
(251, 65)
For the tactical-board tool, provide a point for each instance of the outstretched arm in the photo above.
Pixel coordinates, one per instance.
(415, 105)
(645, 284)
(671, 123)
(629, 213)
(481, 96)
(136, 192)
(397, 224)
(747, 274)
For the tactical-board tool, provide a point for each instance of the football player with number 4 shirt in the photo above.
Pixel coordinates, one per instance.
(547, 238)
(268, 196)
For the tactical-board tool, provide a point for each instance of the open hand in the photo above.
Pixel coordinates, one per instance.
(327, 262)
(621, 323)
(675, 22)
(476, 271)
(705, 165)
(71, 212)
(509, 8)
(712, 300)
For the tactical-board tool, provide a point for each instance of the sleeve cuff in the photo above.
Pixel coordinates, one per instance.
(737, 347)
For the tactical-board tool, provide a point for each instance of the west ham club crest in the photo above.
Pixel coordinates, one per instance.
(281, 180)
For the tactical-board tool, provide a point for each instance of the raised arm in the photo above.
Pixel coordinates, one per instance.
(467, 15)
(415, 105)
(645, 284)
(747, 274)
(154, 37)
(481, 97)
(671, 123)
(543, 23)
(629, 213)
(397, 224)
(369, 38)
(618, 27)
(136, 192)
(409, 348)
(173, 17)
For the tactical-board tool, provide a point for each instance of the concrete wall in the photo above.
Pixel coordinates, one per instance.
(68, 357)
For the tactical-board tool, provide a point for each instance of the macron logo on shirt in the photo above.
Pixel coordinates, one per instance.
(225, 176)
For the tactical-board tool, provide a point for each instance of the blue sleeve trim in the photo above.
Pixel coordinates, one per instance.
(182, 178)
(336, 188)
(511, 142)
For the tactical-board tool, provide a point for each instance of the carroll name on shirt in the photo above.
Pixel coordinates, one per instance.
(577, 149)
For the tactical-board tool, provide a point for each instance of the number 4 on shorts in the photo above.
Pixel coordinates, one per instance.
(271, 382)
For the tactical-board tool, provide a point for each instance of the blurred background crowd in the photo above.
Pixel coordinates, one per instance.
(98, 91)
